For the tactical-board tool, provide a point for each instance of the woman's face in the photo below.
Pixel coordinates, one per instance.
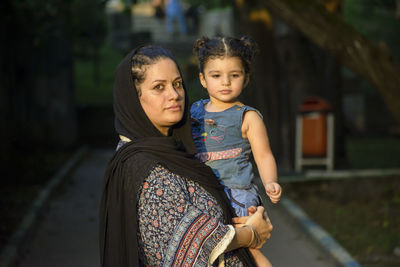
(162, 94)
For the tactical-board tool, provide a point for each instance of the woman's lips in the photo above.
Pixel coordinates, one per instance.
(174, 108)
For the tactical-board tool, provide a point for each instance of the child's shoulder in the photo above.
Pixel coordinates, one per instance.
(199, 104)
(197, 107)
(246, 108)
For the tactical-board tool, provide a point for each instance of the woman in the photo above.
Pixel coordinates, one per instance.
(160, 207)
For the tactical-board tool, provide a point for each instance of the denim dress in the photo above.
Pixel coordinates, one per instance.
(219, 142)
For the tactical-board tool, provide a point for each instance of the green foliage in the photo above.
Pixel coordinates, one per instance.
(89, 26)
(40, 20)
(84, 22)
(375, 19)
(86, 92)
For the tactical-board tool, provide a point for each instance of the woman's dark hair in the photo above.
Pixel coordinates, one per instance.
(244, 48)
(145, 56)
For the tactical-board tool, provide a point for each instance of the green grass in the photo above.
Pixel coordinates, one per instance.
(361, 214)
(373, 152)
(87, 90)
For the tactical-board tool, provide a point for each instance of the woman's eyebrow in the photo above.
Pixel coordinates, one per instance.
(156, 81)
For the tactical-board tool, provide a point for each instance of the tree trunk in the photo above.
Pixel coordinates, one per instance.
(331, 33)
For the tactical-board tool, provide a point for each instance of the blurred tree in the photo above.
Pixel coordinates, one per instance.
(398, 9)
(90, 29)
(327, 30)
(38, 66)
(36, 85)
(289, 68)
(308, 53)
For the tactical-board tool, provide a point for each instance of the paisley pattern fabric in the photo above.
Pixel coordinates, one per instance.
(180, 223)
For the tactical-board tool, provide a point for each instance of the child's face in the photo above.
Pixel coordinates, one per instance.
(224, 79)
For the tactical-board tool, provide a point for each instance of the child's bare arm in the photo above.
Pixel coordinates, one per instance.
(254, 129)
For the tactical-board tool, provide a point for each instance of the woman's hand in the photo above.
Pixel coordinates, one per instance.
(251, 210)
(259, 221)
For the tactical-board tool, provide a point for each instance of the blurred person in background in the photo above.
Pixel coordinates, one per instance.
(174, 12)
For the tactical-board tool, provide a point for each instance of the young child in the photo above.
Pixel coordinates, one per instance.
(226, 131)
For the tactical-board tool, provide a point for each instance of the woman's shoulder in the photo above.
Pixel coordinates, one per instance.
(160, 174)
(160, 170)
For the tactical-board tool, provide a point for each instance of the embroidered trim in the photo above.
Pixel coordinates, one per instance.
(178, 234)
(218, 251)
(193, 240)
(188, 238)
(226, 154)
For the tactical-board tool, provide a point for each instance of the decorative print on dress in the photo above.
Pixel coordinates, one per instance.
(188, 238)
(211, 131)
(226, 154)
(168, 217)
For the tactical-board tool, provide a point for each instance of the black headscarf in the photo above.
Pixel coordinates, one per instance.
(132, 163)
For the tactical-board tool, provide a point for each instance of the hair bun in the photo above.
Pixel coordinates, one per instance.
(199, 43)
(250, 45)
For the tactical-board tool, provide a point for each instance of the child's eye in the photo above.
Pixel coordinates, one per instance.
(215, 75)
(235, 75)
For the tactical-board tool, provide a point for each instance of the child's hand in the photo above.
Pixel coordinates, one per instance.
(274, 191)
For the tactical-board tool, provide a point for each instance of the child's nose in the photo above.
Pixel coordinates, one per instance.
(226, 81)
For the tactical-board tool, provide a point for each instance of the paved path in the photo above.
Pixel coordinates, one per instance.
(67, 233)
(289, 246)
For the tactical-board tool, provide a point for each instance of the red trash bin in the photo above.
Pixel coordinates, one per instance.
(314, 112)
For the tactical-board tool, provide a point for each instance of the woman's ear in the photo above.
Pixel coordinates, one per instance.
(202, 80)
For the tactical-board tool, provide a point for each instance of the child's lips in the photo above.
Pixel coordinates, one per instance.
(225, 91)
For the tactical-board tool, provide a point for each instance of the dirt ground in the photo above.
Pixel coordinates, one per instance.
(362, 214)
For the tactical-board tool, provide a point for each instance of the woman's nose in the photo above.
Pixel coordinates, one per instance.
(173, 93)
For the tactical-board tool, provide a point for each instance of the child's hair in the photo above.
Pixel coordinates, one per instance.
(244, 48)
(145, 56)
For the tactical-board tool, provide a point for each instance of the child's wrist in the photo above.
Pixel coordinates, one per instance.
(270, 182)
